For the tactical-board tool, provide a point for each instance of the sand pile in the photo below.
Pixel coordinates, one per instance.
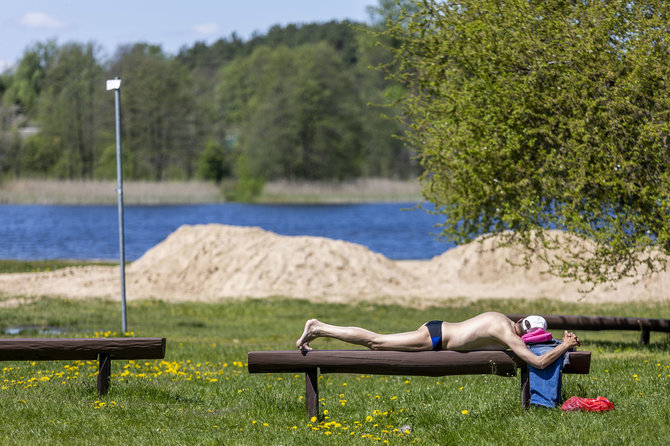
(214, 262)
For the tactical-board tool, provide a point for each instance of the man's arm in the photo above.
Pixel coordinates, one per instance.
(514, 342)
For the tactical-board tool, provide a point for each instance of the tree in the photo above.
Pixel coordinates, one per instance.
(391, 11)
(214, 163)
(67, 110)
(529, 116)
(294, 113)
(10, 142)
(156, 107)
(385, 155)
(26, 84)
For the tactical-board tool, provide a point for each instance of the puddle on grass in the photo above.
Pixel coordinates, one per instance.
(33, 329)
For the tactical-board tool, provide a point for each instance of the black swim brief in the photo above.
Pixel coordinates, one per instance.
(435, 330)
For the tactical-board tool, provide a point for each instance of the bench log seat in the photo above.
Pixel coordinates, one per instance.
(569, 322)
(102, 349)
(376, 362)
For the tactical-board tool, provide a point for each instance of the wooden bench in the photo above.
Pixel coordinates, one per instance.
(102, 349)
(644, 325)
(375, 362)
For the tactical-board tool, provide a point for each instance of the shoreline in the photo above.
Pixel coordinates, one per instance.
(94, 192)
(215, 262)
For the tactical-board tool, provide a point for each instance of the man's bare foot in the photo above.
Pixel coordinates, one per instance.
(308, 335)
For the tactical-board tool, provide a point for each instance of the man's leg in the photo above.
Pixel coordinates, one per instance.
(417, 340)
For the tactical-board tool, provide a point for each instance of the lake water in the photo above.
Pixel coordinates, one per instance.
(32, 232)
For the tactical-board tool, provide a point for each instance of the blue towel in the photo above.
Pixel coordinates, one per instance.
(545, 385)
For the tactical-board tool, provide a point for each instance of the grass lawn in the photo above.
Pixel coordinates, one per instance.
(201, 393)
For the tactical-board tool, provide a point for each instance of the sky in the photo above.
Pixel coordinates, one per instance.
(172, 24)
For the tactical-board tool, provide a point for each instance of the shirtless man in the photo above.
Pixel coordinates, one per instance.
(487, 331)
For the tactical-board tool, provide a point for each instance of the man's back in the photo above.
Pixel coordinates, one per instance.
(485, 331)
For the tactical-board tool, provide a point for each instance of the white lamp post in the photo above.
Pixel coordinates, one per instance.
(115, 84)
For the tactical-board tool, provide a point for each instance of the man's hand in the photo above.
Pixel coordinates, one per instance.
(570, 339)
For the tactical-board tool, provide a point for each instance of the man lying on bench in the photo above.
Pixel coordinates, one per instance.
(487, 331)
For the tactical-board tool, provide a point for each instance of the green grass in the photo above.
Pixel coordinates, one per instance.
(202, 394)
(34, 266)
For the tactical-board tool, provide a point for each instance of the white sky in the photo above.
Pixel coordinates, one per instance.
(169, 23)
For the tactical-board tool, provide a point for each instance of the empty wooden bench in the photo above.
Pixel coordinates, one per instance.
(102, 349)
(375, 362)
(569, 322)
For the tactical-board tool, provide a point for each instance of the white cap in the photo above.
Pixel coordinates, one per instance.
(532, 323)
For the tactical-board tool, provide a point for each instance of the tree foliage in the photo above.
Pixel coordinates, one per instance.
(292, 103)
(26, 84)
(530, 115)
(293, 112)
(156, 105)
(68, 110)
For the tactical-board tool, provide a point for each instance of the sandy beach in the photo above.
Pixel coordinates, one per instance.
(214, 262)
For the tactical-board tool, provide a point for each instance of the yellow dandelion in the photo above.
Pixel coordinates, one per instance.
(464, 411)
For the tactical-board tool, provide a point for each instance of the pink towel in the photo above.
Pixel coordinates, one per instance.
(536, 336)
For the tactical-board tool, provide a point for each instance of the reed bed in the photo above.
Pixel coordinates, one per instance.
(35, 191)
(82, 192)
(359, 190)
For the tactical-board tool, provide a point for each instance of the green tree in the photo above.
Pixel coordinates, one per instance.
(26, 83)
(531, 115)
(10, 142)
(388, 12)
(203, 64)
(294, 113)
(386, 155)
(157, 111)
(339, 36)
(214, 163)
(67, 111)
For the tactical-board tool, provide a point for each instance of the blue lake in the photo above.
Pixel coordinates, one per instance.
(32, 232)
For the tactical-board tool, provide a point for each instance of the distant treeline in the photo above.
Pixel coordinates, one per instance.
(299, 103)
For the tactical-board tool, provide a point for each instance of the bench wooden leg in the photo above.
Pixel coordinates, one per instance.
(104, 372)
(644, 337)
(312, 392)
(525, 388)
